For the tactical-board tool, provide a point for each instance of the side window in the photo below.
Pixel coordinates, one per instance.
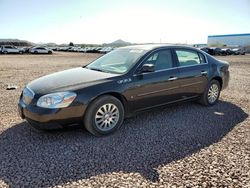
(202, 58)
(162, 60)
(188, 57)
(152, 58)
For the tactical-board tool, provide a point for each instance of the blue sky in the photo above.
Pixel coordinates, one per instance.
(99, 21)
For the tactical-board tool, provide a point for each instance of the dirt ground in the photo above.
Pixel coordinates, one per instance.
(189, 145)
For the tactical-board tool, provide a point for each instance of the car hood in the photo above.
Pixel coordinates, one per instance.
(71, 79)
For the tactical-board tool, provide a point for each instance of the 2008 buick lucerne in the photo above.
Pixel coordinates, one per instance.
(122, 82)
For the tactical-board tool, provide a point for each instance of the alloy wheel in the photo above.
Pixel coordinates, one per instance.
(213, 93)
(107, 116)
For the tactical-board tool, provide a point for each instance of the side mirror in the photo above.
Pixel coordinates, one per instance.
(148, 68)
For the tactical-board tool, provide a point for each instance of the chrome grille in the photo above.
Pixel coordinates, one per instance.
(28, 95)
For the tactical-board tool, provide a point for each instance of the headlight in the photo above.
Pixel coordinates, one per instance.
(56, 100)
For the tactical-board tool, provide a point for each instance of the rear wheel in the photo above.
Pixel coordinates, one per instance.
(35, 52)
(211, 94)
(104, 115)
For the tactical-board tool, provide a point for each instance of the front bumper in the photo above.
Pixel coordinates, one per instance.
(43, 118)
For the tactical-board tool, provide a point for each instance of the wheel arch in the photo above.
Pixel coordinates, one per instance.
(117, 95)
(219, 79)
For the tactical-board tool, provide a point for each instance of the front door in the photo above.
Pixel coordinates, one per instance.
(155, 88)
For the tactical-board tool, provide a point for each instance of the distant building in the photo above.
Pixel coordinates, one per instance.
(240, 40)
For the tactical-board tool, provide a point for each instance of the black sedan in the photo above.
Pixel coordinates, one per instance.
(120, 83)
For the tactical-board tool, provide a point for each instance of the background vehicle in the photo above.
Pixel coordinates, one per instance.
(8, 49)
(218, 51)
(106, 50)
(26, 49)
(228, 51)
(40, 50)
(93, 50)
(208, 50)
(120, 83)
(238, 51)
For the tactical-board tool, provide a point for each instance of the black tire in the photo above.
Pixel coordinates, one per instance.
(35, 52)
(5, 52)
(49, 52)
(205, 99)
(90, 115)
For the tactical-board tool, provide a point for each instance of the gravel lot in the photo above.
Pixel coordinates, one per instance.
(184, 145)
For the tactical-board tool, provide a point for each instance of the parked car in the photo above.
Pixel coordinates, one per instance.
(208, 50)
(224, 51)
(238, 51)
(120, 83)
(54, 48)
(26, 49)
(218, 51)
(40, 50)
(64, 49)
(93, 50)
(76, 49)
(82, 50)
(9, 49)
(106, 50)
(71, 49)
(228, 51)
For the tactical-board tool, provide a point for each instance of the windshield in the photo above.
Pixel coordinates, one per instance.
(118, 61)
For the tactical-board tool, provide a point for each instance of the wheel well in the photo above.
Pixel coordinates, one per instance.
(119, 96)
(219, 79)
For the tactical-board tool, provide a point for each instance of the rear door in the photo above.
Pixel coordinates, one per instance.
(158, 87)
(193, 72)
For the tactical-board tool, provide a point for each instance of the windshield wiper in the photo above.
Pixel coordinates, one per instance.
(96, 69)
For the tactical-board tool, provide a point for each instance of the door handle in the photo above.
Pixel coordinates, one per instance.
(172, 78)
(204, 73)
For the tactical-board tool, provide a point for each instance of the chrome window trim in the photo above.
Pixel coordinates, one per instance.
(192, 65)
(173, 51)
(169, 69)
(156, 71)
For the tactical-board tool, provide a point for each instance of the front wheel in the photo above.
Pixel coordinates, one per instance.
(104, 115)
(211, 94)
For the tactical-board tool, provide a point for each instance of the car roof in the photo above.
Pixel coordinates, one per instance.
(148, 47)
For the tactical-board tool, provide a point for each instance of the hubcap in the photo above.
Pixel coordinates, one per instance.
(107, 116)
(213, 93)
